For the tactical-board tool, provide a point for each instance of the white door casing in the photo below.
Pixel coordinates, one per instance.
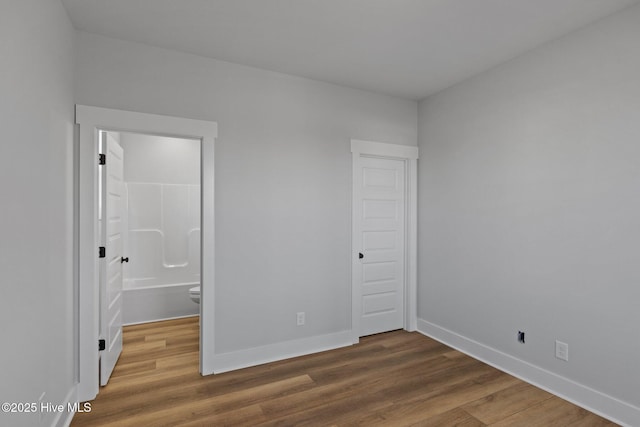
(384, 230)
(111, 271)
(91, 121)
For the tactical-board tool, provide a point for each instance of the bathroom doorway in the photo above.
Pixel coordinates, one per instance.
(131, 128)
(161, 222)
(149, 225)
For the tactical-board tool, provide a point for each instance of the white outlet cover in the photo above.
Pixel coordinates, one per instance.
(300, 318)
(562, 350)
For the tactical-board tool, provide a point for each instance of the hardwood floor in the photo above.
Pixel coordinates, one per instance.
(392, 379)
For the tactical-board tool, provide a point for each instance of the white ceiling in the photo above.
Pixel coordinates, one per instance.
(407, 48)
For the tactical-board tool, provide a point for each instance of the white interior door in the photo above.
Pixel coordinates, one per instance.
(111, 269)
(379, 242)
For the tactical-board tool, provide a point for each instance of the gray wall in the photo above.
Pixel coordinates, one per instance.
(530, 210)
(36, 118)
(156, 159)
(283, 177)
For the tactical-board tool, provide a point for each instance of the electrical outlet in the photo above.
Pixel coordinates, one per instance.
(562, 350)
(521, 337)
(300, 318)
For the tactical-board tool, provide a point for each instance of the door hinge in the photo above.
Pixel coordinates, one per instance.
(102, 252)
(101, 345)
(102, 159)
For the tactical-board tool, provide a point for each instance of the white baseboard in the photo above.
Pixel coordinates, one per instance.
(160, 320)
(597, 402)
(285, 350)
(63, 419)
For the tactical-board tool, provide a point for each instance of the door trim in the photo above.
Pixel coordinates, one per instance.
(408, 154)
(90, 120)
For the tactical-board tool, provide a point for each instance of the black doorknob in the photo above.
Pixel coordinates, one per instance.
(360, 255)
(123, 259)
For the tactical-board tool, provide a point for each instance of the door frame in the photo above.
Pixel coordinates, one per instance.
(91, 120)
(408, 154)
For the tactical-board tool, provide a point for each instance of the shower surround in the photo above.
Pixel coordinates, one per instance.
(163, 244)
(162, 223)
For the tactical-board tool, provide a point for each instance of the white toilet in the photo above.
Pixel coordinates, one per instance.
(194, 294)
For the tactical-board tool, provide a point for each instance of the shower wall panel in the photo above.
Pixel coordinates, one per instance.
(163, 242)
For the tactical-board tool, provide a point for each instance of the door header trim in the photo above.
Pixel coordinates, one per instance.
(382, 149)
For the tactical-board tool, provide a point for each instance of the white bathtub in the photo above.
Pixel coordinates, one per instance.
(159, 302)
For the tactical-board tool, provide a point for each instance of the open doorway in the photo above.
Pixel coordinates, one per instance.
(161, 226)
(96, 122)
(149, 226)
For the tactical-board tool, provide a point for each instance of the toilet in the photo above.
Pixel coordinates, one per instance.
(194, 294)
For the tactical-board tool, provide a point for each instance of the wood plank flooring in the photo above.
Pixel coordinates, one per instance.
(392, 379)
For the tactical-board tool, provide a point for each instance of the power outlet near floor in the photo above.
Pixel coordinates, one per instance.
(562, 350)
(300, 318)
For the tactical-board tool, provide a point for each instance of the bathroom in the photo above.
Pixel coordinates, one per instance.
(161, 227)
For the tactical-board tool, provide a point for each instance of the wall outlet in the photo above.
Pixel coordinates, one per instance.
(300, 318)
(521, 337)
(562, 350)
